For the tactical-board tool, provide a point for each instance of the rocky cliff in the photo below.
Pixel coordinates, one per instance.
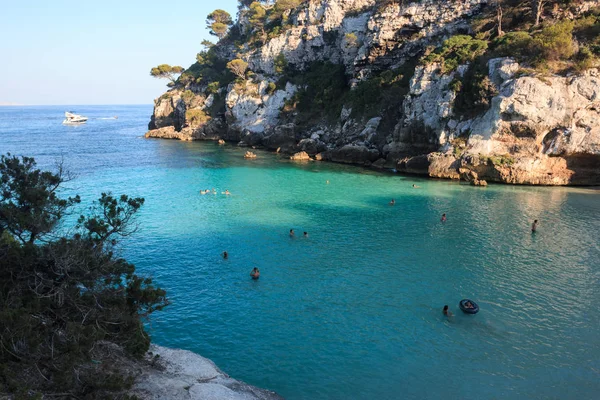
(414, 86)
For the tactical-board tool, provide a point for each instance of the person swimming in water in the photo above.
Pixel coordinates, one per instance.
(534, 226)
(226, 192)
(468, 304)
(225, 255)
(327, 182)
(305, 234)
(292, 232)
(392, 202)
(255, 274)
(415, 186)
(444, 217)
(447, 312)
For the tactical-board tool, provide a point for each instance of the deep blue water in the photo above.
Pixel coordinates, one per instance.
(354, 310)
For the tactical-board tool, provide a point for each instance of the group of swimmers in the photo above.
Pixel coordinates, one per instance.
(293, 234)
(214, 191)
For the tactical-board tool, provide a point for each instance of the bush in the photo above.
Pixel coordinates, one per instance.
(59, 297)
(382, 92)
(457, 50)
(513, 44)
(196, 118)
(322, 88)
(554, 43)
(474, 91)
(271, 88)
(351, 40)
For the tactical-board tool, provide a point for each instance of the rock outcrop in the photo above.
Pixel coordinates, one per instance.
(183, 375)
(535, 129)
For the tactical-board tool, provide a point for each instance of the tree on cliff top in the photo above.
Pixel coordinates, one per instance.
(61, 298)
(218, 22)
(166, 71)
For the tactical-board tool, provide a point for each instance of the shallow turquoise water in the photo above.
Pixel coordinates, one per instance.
(354, 310)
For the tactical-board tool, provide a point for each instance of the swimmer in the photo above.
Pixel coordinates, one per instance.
(416, 187)
(255, 274)
(468, 304)
(327, 182)
(443, 217)
(534, 226)
(226, 192)
(447, 312)
(225, 255)
(305, 234)
(214, 191)
(392, 202)
(292, 232)
(202, 192)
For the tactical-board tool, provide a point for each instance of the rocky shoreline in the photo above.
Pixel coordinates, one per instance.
(182, 375)
(532, 128)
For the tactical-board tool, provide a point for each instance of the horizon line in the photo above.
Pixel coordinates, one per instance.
(73, 104)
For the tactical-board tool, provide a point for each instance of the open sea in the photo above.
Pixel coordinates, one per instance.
(354, 310)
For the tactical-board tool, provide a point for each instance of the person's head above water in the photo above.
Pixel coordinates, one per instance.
(225, 255)
(291, 231)
(305, 233)
(535, 222)
(445, 308)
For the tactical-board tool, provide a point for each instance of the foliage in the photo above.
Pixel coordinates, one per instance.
(322, 89)
(30, 209)
(207, 44)
(238, 67)
(213, 88)
(218, 22)
(382, 92)
(60, 297)
(474, 91)
(351, 40)
(280, 64)
(271, 88)
(554, 42)
(166, 71)
(513, 44)
(196, 117)
(457, 50)
(281, 6)
(257, 15)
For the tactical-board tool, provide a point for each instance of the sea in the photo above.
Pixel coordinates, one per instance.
(354, 309)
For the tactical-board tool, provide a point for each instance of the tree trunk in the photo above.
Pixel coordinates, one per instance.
(538, 8)
(499, 19)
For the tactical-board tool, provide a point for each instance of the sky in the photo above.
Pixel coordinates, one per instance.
(96, 52)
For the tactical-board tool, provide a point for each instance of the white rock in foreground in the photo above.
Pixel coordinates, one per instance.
(181, 374)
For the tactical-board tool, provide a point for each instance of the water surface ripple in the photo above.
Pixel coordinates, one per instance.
(354, 310)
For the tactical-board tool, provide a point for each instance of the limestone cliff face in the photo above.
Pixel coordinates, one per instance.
(536, 129)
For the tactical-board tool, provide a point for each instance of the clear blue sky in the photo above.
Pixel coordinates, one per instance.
(96, 52)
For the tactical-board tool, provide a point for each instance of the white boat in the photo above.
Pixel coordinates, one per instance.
(74, 119)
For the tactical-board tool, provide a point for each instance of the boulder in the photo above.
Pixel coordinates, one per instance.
(282, 136)
(301, 156)
(352, 154)
(169, 132)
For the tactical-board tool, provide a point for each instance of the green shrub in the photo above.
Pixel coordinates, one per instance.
(61, 295)
(213, 88)
(513, 44)
(554, 43)
(271, 88)
(196, 117)
(280, 64)
(457, 50)
(474, 91)
(351, 40)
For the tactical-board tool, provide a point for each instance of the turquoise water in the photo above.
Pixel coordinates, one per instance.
(354, 310)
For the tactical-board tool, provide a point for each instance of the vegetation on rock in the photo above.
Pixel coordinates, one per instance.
(63, 290)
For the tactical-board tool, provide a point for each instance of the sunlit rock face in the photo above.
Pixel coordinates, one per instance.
(535, 130)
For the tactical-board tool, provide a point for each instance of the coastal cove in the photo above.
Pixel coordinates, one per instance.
(354, 309)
